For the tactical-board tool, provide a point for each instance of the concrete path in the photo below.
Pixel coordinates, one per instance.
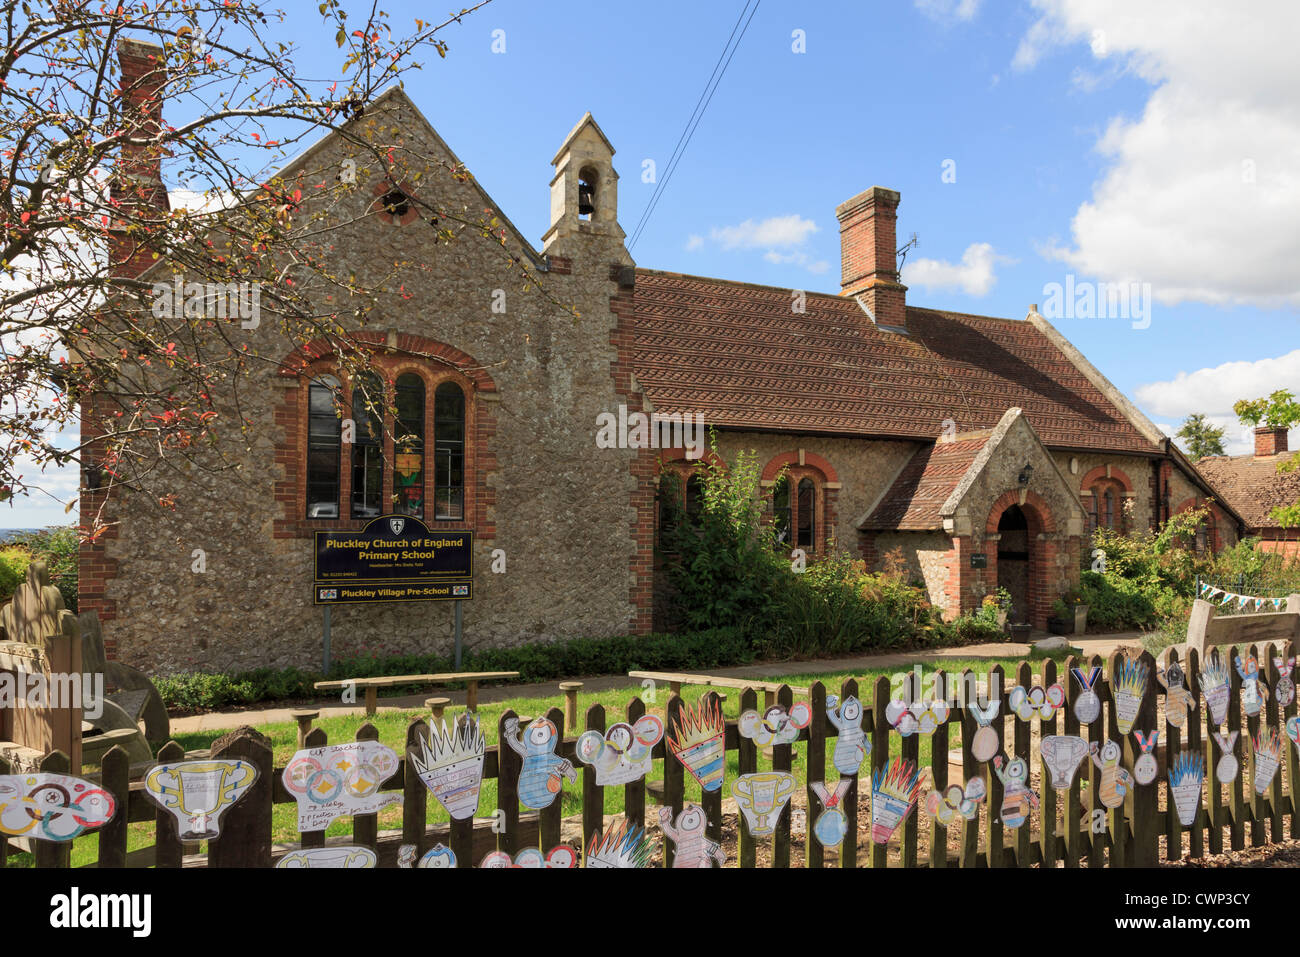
(1101, 645)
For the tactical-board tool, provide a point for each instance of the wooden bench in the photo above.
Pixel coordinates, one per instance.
(675, 681)
(372, 685)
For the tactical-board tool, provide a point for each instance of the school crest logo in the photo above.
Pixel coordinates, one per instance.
(397, 524)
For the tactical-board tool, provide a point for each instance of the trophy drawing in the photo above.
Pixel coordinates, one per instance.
(198, 792)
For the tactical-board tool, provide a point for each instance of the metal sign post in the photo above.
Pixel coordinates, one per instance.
(325, 664)
(457, 604)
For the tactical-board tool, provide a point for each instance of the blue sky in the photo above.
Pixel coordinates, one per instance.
(1156, 148)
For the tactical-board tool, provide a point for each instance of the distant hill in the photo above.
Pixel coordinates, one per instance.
(9, 534)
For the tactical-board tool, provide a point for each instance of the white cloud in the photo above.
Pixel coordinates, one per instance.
(942, 11)
(1202, 193)
(782, 238)
(974, 275)
(1212, 392)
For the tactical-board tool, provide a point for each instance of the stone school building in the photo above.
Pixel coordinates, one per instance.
(982, 450)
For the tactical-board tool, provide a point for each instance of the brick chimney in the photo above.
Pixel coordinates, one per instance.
(136, 183)
(1269, 441)
(869, 255)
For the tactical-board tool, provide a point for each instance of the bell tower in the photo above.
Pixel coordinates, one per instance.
(584, 190)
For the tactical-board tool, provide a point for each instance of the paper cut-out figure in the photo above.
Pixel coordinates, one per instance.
(1115, 778)
(197, 793)
(1268, 754)
(1043, 702)
(1087, 706)
(762, 797)
(540, 779)
(699, 741)
(339, 779)
(692, 847)
(893, 796)
(1293, 732)
(1063, 753)
(831, 825)
(985, 742)
(775, 725)
(1178, 700)
(1285, 689)
(52, 807)
(623, 753)
(1228, 766)
(945, 806)
(1186, 772)
(437, 857)
(1214, 685)
(624, 846)
(1144, 768)
(1254, 692)
(562, 856)
(1127, 690)
(851, 746)
(1017, 798)
(349, 856)
(922, 717)
(451, 765)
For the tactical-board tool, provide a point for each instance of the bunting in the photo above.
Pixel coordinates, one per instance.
(1224, 597)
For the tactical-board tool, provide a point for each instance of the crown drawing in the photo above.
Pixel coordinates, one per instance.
(624, 846)
(699, 741)
(451, 764)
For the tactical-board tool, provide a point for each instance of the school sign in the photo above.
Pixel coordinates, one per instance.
(394, 558)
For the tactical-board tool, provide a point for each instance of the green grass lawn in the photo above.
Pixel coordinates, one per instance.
(392, 725)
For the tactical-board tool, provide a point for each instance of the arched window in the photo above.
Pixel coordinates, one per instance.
(449, 452)
(323, 445)
(694, 498)
(670, 505)
(805, 512)
(367, 446)
(408, 446)
(781, 510)
(1105, 510)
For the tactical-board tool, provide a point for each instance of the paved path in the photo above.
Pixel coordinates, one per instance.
(1102, 645)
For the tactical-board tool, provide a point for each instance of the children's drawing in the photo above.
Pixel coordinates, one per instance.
(1144, 768)
(339, 779)
(1042, 702)
(1115, 778)
(1285, 689)
(1178, 700)
(1214, 685)
(1186, 772)
(831, 825)
(761, 797)
(562, 857)
(52, 807)
(851, 745)
(923, 717)
(893, 796)
(1063, 753)
(1227, 767)
(1293, 732)
(1017, 797)
(692, 846)
(945, 806)
(197, 793)
(1087, 706)
(985, 743)
(1268, 754)
(541, 777)
(624, 846)
(451, 765)
(775, 725)
(623, 753)
(1254, 692)
(699, 741)
(439, 856)
(346, 855)
(1127, 690)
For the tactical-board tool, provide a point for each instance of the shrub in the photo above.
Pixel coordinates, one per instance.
(196, 691)
(59, 548)
(14, 560)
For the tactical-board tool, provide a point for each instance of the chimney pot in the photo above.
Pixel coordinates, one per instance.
(869, 255)
(137, 183)
(1270, 441)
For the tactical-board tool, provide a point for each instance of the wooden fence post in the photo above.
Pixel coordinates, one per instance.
(1237, 837)
(747, 763)
(168, 849)
(593, 795)
(873, 722)
(1195, 744)
(1272, 713)
(1118, 822)
(4, 840)
(970, 830)
(997, 679)
(246, 827)
(1292, 765)
(316, 738)
(634, 791)
(1145, 846)
(365, 827)
(115, 778)
(849, 849)
(1097, 736)
(1047, 842)
(910, 750)
(509, 764)
(415, 796)
(1020, 742)
(674, 773)
(1172, 738)
(711, 801)
(939, 769)
(53, 853)
(549, 817)
(814, 854)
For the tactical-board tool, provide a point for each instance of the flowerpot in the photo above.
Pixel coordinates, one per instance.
(1057, 626)
(1002, 620)
(1020, 632)
(1080, 619)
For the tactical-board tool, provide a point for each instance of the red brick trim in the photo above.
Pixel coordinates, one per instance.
(293, 365)
(644, 465)
(381, 189)
(677, 457)
(810, 460)
(1032, 500)
(1099, 474)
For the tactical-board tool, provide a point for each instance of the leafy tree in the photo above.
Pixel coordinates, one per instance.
(1279, 410)
(1200, 437)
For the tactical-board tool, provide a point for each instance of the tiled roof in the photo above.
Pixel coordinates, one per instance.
(740, 354)
(1253, 486)
(914, 499)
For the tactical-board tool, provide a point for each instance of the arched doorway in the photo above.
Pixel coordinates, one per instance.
(1014, 562)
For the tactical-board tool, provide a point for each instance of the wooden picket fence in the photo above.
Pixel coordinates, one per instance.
(1131, 836)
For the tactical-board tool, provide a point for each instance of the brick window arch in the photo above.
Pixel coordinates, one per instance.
(679, 490)
(1104, 491)
(1208, 535)
(800, 495)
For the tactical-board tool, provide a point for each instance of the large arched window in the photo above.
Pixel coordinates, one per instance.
(367, 446)
(806, 512)
(1105, 506)
(323, 448)
(781, 511)
(449, 451)
(408, 446)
